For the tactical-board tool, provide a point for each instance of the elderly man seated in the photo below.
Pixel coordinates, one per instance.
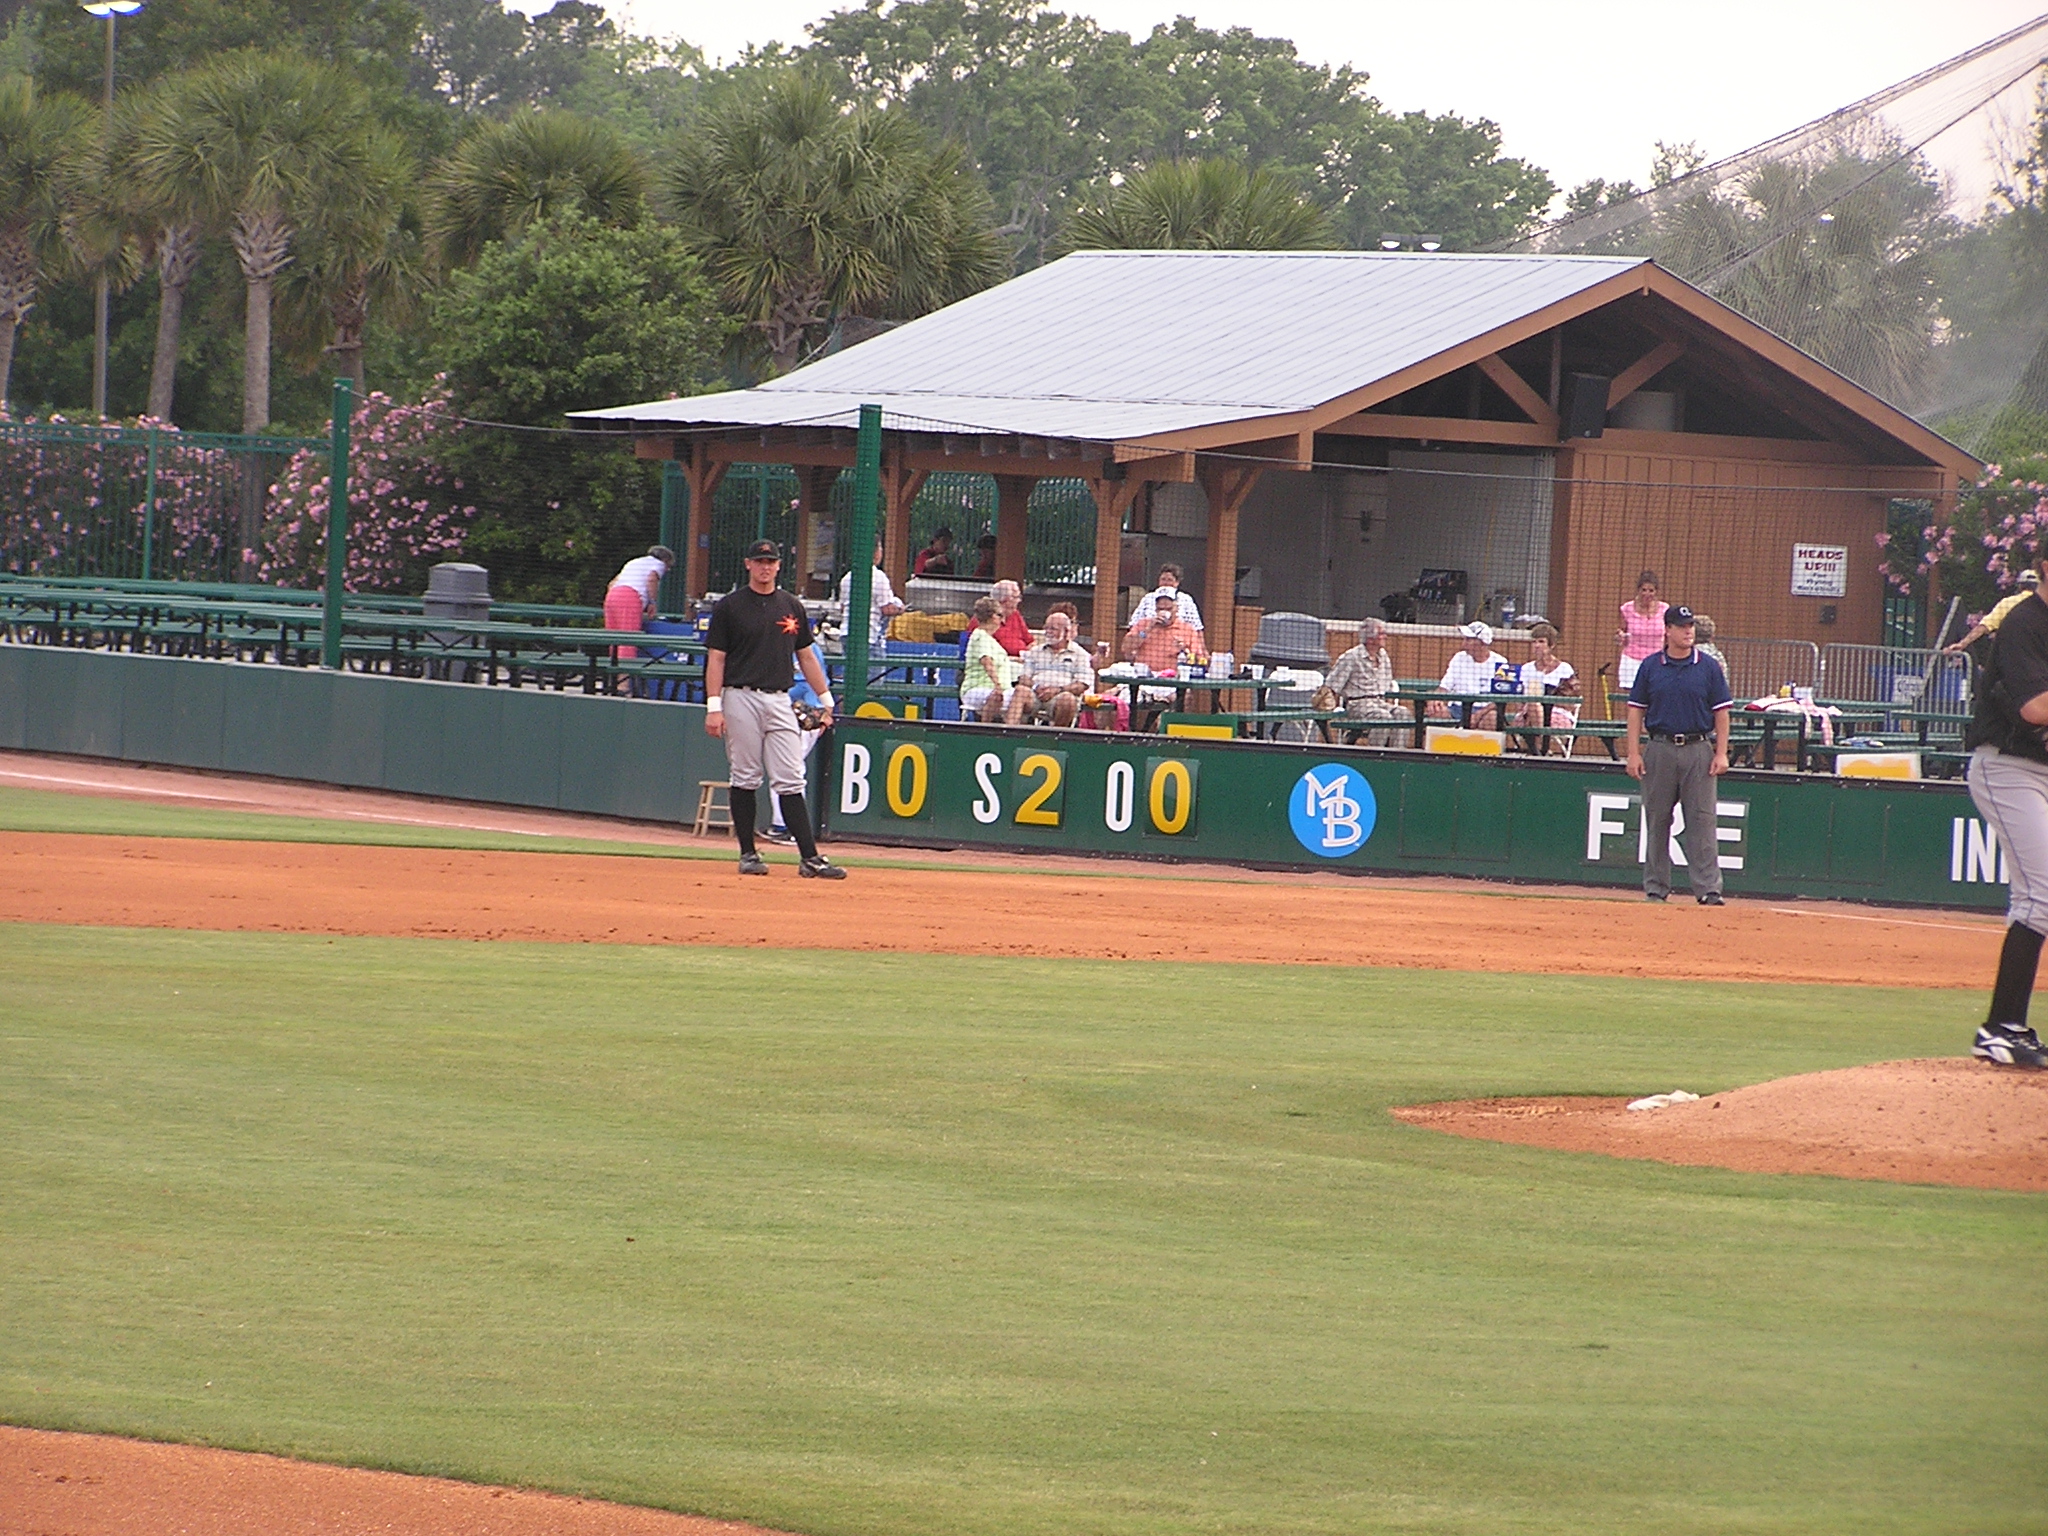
(1363, 680)
(1054, 673)
(1473, 670)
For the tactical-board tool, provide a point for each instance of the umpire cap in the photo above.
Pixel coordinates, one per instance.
(764, 549)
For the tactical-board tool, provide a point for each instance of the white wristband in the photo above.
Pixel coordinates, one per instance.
(714, 706)
(825, 700)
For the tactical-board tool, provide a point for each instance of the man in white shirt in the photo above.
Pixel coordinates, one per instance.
(883, 607)
(1169, 586)
(1472, 670)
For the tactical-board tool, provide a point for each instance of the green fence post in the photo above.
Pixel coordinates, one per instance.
(675, 533)
(149, 508)
(860, 591)
(337, 526)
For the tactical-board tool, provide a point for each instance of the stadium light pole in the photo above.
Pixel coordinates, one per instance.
(337, 524)
(860, 590)
(113, 10)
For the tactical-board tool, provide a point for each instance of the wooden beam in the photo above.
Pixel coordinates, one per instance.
(654, 447)
(1112, 499)
(1444, 429)
(1165, 468)
(1517, 389)
(1013, 521)
(1227, 485)
(1642, 370)
(702, 473)
(937, 461)
(730, 451)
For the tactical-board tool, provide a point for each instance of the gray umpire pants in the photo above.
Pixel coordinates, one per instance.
(2012, 792)
(1681, 776)
(761, 733)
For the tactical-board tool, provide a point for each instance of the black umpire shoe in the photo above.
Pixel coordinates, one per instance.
(1712, 899)
(753, 864)
(820, 868)
(1653, 896)
(2009, 1045)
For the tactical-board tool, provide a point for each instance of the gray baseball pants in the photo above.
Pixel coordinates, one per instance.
(761, 733)
(1682, 776)
(2012, 792)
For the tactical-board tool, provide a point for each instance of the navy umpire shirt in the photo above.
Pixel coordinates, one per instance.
(1678, 698)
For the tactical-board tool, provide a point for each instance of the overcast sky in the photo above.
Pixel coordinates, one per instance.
(1581, 87)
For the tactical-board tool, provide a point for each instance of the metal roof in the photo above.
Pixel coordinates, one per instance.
(1110, 345)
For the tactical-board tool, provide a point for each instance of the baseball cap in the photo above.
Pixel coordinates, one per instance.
(764, 549)
(2030, 578)
(1483, 633)
(1678, 613)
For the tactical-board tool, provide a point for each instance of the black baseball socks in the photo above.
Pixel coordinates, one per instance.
(2017, 964)
(745, 810)
(796, 816)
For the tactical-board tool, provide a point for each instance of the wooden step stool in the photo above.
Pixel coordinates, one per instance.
(713, 814)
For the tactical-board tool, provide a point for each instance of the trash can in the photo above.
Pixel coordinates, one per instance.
(455, 591)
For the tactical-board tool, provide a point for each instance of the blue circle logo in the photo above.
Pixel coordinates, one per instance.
(1332, 810)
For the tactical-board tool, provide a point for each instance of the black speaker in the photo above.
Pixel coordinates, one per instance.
(1585, 404)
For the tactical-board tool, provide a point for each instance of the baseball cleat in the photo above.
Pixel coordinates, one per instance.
(1655, 896)
(1712, 899)
(777, 835)
(753, 864)
(2009, 1045)
(820, 868)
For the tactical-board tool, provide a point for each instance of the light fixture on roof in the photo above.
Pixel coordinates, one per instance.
(111, 7)
(1432, 242)
(1827, 218)
(1390, 242)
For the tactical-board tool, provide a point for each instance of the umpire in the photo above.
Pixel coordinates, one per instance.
(759, 634)
(2009, 782)
(1680, 700)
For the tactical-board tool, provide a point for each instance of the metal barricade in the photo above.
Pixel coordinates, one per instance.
(1760, 667)
(1905, 678)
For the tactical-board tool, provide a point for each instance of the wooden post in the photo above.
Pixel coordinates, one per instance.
(900, 485)
(1112, 499)
(1013, 522)
(1227, 486)
(703, 476)
(814, 500)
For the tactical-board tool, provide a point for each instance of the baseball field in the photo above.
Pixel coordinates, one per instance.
(968, 1196)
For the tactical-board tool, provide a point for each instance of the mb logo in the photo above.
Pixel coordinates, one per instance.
(1332, 810)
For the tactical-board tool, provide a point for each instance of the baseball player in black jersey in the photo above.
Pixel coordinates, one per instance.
(2008, 742)
(759, 634)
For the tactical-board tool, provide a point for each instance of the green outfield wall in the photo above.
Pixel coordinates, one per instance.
(1304, 807)
(1257, 803)
(508, 746)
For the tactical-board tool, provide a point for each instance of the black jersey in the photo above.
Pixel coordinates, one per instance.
(2017, 672)
(760, 633)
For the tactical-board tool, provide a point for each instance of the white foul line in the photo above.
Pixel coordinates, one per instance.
(1896, 922)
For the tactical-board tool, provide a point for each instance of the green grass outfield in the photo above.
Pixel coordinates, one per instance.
(953, 1245)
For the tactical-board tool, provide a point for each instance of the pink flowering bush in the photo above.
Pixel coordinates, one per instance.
(406, 510)
(72, 501)
(1977, 551)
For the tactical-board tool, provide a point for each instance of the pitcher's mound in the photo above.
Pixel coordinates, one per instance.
(1914, 1122)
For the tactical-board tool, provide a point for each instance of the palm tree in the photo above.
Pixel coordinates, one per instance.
(1200, 205)
(358, 247)
(45, 146)
(805, 209)
(172, 222)
(508, 176)
(258, 142)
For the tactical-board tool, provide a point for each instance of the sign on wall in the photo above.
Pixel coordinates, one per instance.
(1820, 570)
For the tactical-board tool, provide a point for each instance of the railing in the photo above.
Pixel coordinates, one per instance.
(1908, 677)
(1759, 667)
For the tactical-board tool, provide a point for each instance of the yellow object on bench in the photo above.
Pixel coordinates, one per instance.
(1457, 741)
(1211, 727)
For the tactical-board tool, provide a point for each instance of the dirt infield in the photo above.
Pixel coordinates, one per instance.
(573, 898)
(1911, 1122)
(1941, 1121)
(95, 1485)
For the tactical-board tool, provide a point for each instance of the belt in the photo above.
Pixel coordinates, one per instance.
(1679, 738)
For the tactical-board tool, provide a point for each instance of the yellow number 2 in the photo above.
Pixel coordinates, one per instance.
(1034, 812)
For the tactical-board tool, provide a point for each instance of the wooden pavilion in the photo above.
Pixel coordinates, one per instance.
(1645, 423)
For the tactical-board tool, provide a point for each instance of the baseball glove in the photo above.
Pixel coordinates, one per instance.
(809, 717)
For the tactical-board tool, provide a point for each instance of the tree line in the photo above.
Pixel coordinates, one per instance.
(293, 188)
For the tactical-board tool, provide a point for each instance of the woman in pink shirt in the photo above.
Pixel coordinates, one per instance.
(1642, 628)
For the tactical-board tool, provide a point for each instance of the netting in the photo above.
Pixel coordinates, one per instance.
(1902, 240)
